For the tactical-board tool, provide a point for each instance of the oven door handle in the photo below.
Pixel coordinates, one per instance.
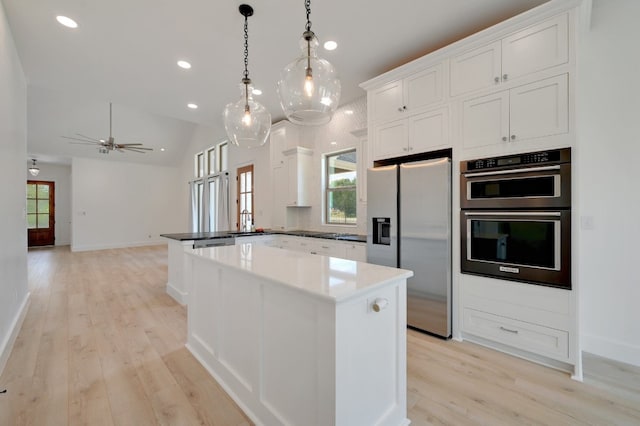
(503, 213)
(512, 171)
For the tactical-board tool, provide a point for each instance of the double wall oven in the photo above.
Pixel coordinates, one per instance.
(515, 217)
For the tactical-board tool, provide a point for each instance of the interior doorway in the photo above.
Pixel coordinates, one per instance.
(40, 213)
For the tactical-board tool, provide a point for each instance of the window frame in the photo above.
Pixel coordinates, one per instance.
(328, 190)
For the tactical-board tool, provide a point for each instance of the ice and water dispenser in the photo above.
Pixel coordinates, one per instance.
(381, 230)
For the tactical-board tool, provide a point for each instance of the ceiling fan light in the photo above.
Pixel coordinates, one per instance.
(33, 169)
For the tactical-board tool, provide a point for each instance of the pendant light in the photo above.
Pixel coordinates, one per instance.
(247, 122)
(33, 169)
(309, 87)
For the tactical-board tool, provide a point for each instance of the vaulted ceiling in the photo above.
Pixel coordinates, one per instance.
(125, 51)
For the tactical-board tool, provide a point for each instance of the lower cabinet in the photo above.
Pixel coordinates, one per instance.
(321, 246)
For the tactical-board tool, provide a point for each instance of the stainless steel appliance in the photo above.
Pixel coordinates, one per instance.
(409, 226)
(515, 221)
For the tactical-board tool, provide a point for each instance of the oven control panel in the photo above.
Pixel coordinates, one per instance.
(556, 156)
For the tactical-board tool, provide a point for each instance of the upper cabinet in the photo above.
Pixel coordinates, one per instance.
(406, 96)
(535, 48)
(284, 135)
(299, 162)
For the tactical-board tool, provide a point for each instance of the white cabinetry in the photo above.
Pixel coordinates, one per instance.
(284, 135)
(418, 133)
(299, 161)
(401, 97)
(529, 111)
(535, 48)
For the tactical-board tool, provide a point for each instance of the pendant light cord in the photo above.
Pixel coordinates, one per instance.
(307, 5)
(246, 80)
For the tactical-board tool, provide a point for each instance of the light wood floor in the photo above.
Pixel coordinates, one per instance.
(103, 344)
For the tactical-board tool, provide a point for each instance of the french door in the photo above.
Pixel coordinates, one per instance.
(244, 198)
(40, 213)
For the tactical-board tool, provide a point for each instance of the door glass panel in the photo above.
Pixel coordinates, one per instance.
(43, 206)
(31, 206)
(248, 202)
(248, 182)
(43, 191)
(243, 182)
(31, 221)
(518, 242)
(31, 190)
(43, 221)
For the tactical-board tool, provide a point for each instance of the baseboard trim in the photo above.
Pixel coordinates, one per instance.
(612, 349)
(10, 339)
(78, 248)
(179, 296)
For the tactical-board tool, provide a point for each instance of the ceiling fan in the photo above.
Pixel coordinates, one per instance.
(104, 146)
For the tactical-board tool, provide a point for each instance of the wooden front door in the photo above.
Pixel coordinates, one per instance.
(41, 213)
(244, 200)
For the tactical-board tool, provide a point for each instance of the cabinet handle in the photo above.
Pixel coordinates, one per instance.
(379, 304)
(508, 330)
(513, 137)
(325, 247)
(504, 138)
(404, 107)
(505, 77)
(400, 109)
(497, 79)
(410, 148)
(404, 149)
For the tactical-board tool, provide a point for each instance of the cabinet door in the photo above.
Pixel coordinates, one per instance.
(356, 252)
(278, 141)
(279, 197)
(485, 120)
(476, 69)
(536, 48)
(386, 102)
(390, 140)
(429, 130)
(540, 109)
(423, 88)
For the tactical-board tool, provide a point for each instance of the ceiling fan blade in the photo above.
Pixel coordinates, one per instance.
(129, 144)
(88, 137)
(82, 140)
(134, 150)
(85, 143)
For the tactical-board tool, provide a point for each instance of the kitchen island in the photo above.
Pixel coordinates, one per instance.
(301, 339)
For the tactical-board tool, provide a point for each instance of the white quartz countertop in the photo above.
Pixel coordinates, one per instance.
(322, 276)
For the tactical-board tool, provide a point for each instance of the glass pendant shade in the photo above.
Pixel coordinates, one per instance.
(247, 127)
(309, 87)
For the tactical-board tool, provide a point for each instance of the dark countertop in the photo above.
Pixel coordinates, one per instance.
(189, 236)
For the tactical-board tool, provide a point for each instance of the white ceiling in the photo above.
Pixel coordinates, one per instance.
(125, 51)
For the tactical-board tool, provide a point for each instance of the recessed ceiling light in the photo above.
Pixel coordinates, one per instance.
(257, 92)
(330, 45)
(334, 143)
(162, 149)
(349, 112)
(192, 106)
(67, 22)
(184, 64)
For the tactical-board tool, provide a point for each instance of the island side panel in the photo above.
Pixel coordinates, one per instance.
(178, 269)
(371, 371)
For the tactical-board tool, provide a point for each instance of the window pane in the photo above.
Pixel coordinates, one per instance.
(31, 190)
(43, 221)
(248, 183)
(200, 165)
(211, 160)
(43, 191)
(243, 182)
(43, 206)
(248, 202)
(31, 221)
(31, 206)
(224, 151)
(212, 206)
(342, 206)
(342, 170)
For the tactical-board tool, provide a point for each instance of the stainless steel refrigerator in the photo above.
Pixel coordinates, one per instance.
(409, 226)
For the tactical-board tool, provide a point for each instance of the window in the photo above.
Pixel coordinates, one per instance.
(340, 181)
(223, 153)
(245, 198)
(212, 165)
(199, 165)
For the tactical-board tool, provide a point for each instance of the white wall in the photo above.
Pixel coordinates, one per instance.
(61, 175)
(607, 155)
(13, 176)
(117, 204)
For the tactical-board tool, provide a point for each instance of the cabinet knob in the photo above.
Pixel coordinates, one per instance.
(379, 304)
(497, 79)
(505, 77)
(404, 149)
(513, 137)
(504, 138)
(410, 148)
(400, 109)
(404, 107)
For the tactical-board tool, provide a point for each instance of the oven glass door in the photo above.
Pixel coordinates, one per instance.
(515, 241)
(528, 246)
